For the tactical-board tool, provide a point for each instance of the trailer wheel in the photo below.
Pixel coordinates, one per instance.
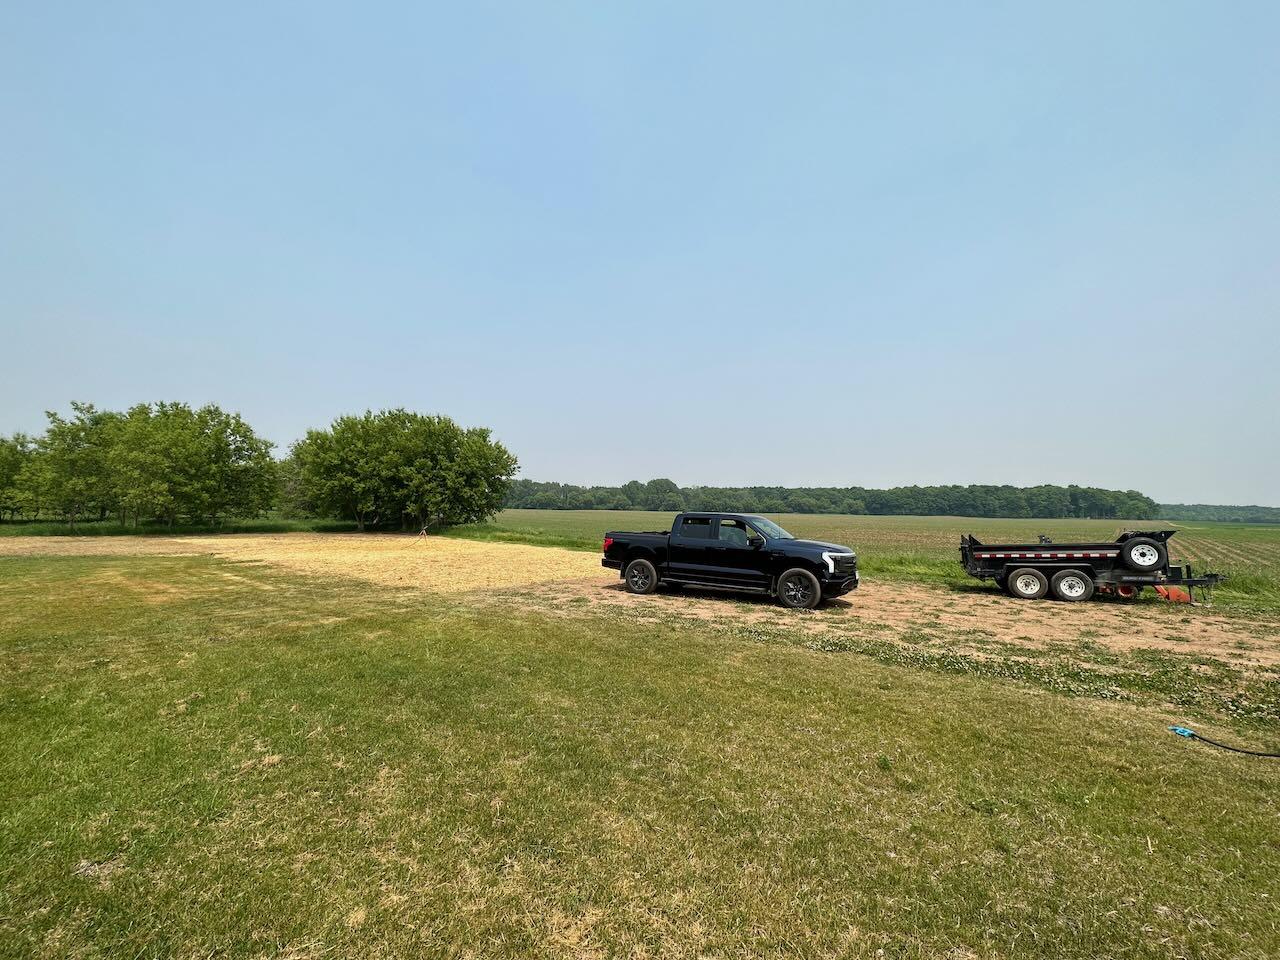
(799, 589)
(641, 577)
(1028, 584)
(1072, 585)
(1144, 554)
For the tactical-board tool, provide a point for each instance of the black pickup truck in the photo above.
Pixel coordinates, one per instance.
(738, 551)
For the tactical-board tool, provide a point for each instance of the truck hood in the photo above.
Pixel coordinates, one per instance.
(816, 546)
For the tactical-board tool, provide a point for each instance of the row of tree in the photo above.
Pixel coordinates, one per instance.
(153, 462)
(1220, 512)
(966, 501)
(169, 463)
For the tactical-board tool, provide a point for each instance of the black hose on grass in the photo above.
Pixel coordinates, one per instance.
(1192, 735)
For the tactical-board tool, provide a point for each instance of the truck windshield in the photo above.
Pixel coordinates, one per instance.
(770, 529)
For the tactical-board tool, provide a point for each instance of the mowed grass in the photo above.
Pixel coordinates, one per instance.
(203, 758)
(927, 548)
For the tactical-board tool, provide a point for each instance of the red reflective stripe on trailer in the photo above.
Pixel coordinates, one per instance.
(1044, 556)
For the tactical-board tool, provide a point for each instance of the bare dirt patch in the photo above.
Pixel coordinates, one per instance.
(971, 620)
(436, 564)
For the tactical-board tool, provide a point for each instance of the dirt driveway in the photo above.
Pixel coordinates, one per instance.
(569, 583)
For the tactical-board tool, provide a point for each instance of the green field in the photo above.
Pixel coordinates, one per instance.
(205, 758)
(926, 548)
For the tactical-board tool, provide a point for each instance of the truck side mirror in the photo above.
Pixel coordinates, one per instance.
(756, 542)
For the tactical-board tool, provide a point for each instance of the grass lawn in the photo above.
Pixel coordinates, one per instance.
(211, 758)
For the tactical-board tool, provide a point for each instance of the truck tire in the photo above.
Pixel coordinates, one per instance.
(799, 589)
(641, 577)
(1143, 554)
(1028, 584)
(1071, 585)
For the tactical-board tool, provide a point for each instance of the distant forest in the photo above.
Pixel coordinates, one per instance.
(963, 501)
(1226, 514)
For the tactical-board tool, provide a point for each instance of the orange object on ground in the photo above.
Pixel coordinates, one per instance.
(1174, 594)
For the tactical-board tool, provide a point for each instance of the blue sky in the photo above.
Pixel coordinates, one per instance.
(733, 243)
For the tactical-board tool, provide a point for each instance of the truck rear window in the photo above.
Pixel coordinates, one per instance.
(698, 528)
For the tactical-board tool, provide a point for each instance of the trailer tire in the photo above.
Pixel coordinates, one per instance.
(1072, 585)
(1143, 554)
(1028, 584)
(640, 577)
(799, 589)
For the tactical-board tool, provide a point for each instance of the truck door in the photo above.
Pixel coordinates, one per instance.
(689, 553)
(740, 563)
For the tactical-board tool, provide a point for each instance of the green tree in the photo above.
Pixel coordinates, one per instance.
(342, 472)
(633, 490)
(448, 475)
(35, 485)
(75, 452)
(169, 461)
(15, 453)
(660, 494)
(397, 465)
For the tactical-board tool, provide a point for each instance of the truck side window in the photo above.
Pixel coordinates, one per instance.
(698, 528)
(734, 532)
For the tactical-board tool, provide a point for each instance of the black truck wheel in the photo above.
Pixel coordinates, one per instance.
(799, 589)
(641, 577)
(1028, 584)
(1143, 554)
(1071, 585)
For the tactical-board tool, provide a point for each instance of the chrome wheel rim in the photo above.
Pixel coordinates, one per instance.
(798, 591)
(639, 577)
(1145, 555)
(1026, 585)
(1071, 587)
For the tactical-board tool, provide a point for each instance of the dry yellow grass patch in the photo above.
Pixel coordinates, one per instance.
(437, 564)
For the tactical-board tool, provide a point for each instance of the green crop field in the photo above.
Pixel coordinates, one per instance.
(926, 548)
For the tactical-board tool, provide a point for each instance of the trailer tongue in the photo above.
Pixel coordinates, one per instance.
(1075, 571)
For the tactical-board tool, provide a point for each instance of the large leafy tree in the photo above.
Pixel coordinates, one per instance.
(16, 453)
(75, 450)
(172, 461)
(398, 466)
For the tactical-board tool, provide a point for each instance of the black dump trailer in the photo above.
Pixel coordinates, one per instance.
(1076, 571)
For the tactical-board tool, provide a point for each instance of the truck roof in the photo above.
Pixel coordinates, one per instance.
(719, 513)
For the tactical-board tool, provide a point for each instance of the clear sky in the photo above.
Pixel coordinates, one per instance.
(733, 243)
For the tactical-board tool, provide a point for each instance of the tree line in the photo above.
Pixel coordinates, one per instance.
(974, 500)
(169, 463)
(1220, 512)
